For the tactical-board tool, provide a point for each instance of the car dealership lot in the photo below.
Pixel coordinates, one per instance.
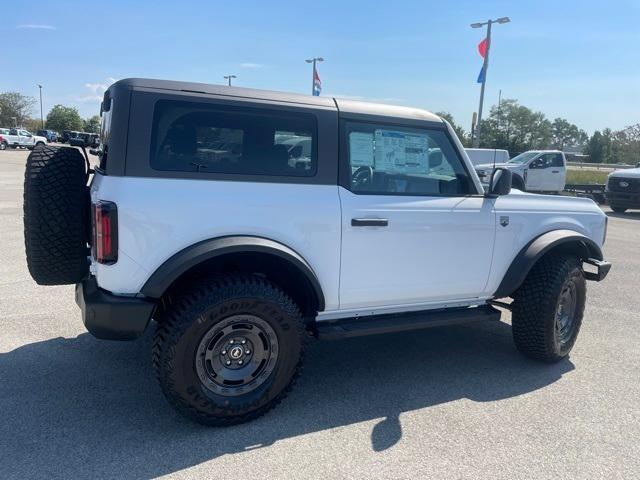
(455, 402)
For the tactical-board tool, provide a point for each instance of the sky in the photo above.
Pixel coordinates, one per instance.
(579, 60)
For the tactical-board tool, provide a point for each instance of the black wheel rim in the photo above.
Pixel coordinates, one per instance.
(237, 355)
(565, 312)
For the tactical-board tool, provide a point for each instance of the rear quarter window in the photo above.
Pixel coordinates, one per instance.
(192, 137)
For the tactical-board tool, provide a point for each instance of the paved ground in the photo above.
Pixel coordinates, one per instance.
(445, 403)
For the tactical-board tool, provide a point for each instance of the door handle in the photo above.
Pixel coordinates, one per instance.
(555, 171)
(369, 222)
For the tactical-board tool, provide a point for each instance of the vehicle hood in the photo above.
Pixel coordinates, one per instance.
(38, 138)
(626, 173)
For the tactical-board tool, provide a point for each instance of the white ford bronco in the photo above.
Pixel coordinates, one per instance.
(244, 222)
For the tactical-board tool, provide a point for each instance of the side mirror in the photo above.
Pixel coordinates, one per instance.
(500, 183)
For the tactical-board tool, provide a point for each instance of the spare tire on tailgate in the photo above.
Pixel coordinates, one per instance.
(56, 215)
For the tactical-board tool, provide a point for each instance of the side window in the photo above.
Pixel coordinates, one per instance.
(557, 160)
(388, 160)
(190, 137)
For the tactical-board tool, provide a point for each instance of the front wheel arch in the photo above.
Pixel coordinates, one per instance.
(555, 241)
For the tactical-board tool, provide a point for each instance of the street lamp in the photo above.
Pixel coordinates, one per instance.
(313, 75)
(229, 77)
(485, 66)
(41, 116)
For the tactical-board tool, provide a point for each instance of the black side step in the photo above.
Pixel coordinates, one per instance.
(401, 322)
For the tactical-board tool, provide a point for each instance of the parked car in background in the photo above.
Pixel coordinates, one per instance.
(18, 137)
(533, 171)
(67, 135)
(3, 142)
(85, 139)
(50, 135)
(623, 189)
(482, 156)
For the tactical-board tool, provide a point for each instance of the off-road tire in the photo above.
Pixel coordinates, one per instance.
(618, 209)
(535, 305)
(56, 215)
(197, 309)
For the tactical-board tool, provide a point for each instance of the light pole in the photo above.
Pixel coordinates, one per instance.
(41, 116)
(229, 77)
(313, 75)
(485, 66)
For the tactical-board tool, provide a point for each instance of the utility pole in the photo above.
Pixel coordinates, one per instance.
(485, 66)
(314, 60)
(229, 77)
(41, 116)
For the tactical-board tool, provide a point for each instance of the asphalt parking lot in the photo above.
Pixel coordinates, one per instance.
(456, 402)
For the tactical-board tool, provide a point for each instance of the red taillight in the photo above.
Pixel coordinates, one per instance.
(105, 232)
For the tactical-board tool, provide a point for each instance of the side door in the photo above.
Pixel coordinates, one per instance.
(26, 138)
(415, 229)
(557, 172)
(536, 176)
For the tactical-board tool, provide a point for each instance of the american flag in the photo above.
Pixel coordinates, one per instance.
(317, 84)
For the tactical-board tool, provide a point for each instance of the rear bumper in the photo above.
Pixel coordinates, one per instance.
(602, 269)
(628, 200)
(109, 316)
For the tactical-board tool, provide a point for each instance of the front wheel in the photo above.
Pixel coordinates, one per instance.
(548, 308)
(228, 349)
(618, 209)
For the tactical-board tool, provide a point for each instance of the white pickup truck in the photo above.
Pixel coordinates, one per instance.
(533, 171)
(18, 137)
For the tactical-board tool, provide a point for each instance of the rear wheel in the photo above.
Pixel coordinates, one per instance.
(548, 308)
(618, 209)
(3, 146)
(228, 349)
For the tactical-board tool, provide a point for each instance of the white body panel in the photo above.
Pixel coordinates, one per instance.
(159, 217)
(530, 216)
(423, 255)
(436, 252)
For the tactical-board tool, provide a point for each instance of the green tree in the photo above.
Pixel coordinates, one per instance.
(92, 124)
(15, 105)
(596, 147)
(516, 128)
(462, 135)
(64, 118)
(565, 133)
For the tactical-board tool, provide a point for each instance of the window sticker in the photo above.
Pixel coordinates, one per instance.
(361, 149)
(401, 152)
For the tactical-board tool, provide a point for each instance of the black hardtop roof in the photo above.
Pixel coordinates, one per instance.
(344, 106)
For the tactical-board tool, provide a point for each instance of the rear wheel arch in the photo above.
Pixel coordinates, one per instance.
(275, 261)
(553, 242)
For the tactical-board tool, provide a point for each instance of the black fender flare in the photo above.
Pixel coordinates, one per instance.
(197, 253)
(570, 240)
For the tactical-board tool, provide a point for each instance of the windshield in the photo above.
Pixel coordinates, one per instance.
(523, 157)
